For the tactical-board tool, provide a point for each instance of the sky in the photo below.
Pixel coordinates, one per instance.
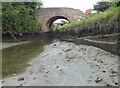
(82, 5)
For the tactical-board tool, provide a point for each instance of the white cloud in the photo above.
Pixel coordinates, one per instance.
(83, 5)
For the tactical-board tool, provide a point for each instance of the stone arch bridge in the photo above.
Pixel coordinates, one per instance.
(48, 15)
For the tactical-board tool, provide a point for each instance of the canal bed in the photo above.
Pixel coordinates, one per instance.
(67, 64)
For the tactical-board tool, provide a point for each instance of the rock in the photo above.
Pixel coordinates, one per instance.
(21, 79)
(57, 67)
(101, 61)
(67, 56)
(60, 53)
(60, 70)
(114, 72)
(2, 81)
(31, 72)
(113, 75)
(45, 76)
(19, 86)
(108, 85)
(104, 71)
(54, 45)
(98, 80)
(45, 55)
(68, 60)
(72, 57)
(89, 80)
(34, 78)
(116, 83)
(67, 50)
(47, 71)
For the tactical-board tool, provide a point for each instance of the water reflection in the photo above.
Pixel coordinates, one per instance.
(15, 58)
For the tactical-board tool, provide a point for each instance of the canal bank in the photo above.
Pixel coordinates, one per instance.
(108, 42)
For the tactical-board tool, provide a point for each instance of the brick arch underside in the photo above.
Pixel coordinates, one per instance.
(52, 19)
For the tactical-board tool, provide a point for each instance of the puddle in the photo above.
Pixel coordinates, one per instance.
(15, 58)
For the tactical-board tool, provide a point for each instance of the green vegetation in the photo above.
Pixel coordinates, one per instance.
(20, 17)
(15, 58)
(110, 14)
(52, 27)
(102, 6)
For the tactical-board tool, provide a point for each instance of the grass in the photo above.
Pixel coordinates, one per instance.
(14, 60)
(112, 13)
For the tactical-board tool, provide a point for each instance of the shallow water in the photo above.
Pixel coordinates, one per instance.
(15, 58)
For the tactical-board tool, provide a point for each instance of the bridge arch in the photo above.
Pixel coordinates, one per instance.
(47, 16)
(54, 18)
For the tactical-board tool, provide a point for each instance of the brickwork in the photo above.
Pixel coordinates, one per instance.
(47, 16)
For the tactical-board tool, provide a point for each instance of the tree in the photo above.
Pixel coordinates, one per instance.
(19, 17)
(101, 6)
(115, 4)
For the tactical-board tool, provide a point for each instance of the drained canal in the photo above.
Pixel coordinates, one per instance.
(15, 58)
(48, 61)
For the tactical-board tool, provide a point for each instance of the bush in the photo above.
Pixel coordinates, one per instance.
(19, 17)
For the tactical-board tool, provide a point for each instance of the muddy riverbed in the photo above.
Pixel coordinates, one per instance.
(68, 64)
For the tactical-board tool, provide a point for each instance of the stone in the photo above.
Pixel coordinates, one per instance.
(34, 78)
(104, 71)
(108, 85)
(114, 72)
(67, 50)
(57, 67)
(47, 72)
(21, 79)
(98, 80)
(116, 83)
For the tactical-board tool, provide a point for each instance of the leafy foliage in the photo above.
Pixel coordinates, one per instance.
(102, 6)
(115, 4)
(52, 27)
(19, 17)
